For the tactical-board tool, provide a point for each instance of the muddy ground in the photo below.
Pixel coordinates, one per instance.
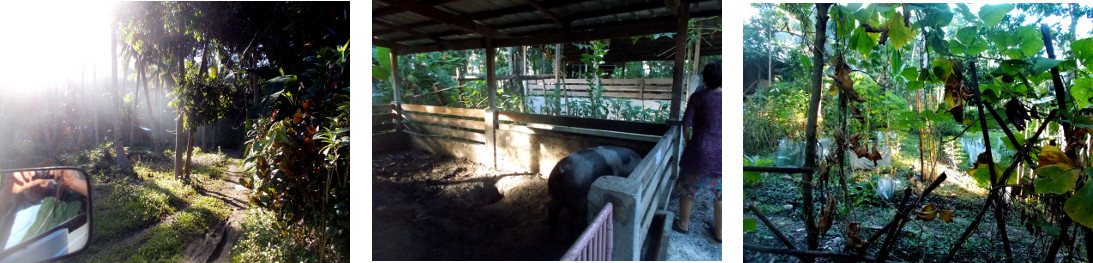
(435, 207)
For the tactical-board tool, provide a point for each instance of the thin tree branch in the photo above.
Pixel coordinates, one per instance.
(778, 233)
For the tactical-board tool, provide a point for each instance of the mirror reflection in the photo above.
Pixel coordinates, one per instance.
(43, 213)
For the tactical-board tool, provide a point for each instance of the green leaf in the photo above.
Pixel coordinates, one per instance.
(896, 59)
(939, 18)
(806, 62)
(992, 14)
(868, 15)
(910, 73)
(1013, 66)
(942, 68)
(1041, 64)
(956, 47)
(1082, 91)
(898, 34)
(939, 44)
(1083, 50)
(978, 46)
(1014, 53)
(1031, 40)
(1080, 206)
(749, 224)
(1020, 141)
(982, 175)
(915, 85)
(966, 12)
(861, 42)
(1056, 178)
(1001, 39)
(380, 73)
(967, 34)
(384, 56)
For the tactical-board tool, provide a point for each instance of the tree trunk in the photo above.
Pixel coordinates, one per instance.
(94, 102)
(179, 121)
(189, 151)
(119, 149)
(810, 131)
(133, 103)
(151, 117)
(193, 129)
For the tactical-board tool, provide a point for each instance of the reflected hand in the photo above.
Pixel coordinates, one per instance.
(67, 178)
(25, 181)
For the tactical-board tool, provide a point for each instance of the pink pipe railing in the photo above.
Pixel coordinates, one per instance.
(596, 242)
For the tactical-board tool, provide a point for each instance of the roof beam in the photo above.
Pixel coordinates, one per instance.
(407, 30)
(517, 9)
(564, 25)
(387, 44)
(630, 28)
(450, 19)
(391, 10)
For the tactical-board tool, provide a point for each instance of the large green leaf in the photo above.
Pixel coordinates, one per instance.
(1013, 66)
(380, 73)
(1031, 40)
(942, 68)
(1080, 206)
(915, 85)
(966, 12)
(844, 22)
(1082, 91)
(1014, 53)
(955, 47)
(967, 34)
(910, 73)
(898, 34)
(1056, 178)
(978, 46)
(749, 224)
(868, 15)
(1041, 64)
(1083, 50)
(939, 44)
(992, 14)
(861, 42)
(384, 56)
(1002, 39)
(982, 175)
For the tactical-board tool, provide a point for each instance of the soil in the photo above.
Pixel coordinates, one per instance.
(434, 207)
(699, 244)
(216, 245)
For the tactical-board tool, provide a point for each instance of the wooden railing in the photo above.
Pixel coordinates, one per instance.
(454, 123)
(644, 89)
(596, 242)
(637, 198)
(384, 119)
(657, 173)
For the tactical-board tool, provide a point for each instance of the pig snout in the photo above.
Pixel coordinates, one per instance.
(572, 178)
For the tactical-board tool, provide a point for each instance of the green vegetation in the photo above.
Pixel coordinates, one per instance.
(944, 78)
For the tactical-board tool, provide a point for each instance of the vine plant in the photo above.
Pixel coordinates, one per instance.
(991, 61)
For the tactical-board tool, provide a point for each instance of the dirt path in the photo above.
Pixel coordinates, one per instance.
(218, 241)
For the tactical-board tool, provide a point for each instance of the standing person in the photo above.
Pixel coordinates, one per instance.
(700, 165)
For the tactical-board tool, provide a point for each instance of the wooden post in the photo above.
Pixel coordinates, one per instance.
(491, 111)
(695, 59)
(396, 90)
(681, 54)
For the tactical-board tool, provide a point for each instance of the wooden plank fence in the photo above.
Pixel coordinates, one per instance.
(644, 89)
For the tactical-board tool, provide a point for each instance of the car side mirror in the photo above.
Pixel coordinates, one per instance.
(45, 214)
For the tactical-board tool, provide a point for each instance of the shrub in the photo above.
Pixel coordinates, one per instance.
(299, 156)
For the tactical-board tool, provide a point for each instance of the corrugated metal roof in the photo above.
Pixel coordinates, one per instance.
(416, 25)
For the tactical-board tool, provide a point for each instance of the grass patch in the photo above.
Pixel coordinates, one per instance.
(260, 242)
(126, 204)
